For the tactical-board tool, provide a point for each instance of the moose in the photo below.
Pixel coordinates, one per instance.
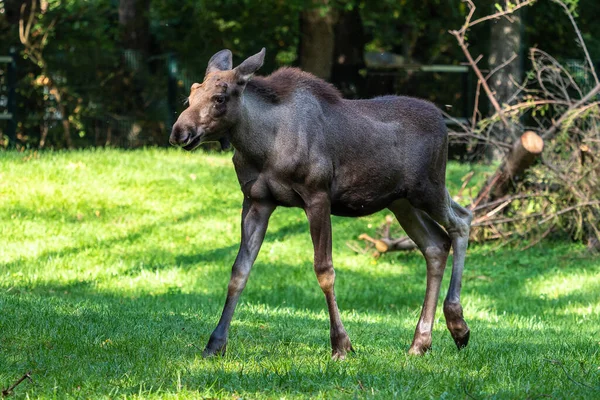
(298, 143)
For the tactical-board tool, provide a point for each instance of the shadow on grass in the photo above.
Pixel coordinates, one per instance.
(123, 343)
(63, 215)
(119, 340)
(212, 255)
(131, 236)
(294, 285)
(228, 253)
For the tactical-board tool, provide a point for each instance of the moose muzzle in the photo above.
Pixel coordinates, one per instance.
(185, 135)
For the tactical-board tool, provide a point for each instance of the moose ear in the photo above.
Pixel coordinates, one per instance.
(247, 68)
(220, 62)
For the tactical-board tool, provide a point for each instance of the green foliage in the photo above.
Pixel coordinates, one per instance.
(572, 4)
(548, 28)
(105, 86)
(418, 33)
(198, 29)
(82, 56)
(114, 266)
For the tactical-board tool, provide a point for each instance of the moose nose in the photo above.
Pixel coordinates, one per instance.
(179, 135)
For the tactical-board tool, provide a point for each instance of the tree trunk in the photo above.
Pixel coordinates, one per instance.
(521, 157)
(135, 37)
(66, 128)
(505, 42)
(135, 25)
(348, 55)
(58, 97)
(43, 133)
(317, 39)
(108, 136)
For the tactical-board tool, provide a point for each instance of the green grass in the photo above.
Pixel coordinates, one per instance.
(113, 273)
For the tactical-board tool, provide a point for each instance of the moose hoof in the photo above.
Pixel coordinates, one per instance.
(456, 324)
(417, 351)
(215, 348)
(421, 344)
(462, 340)
(340, 354)
(341, 348)
(214, 352)
(419, 348)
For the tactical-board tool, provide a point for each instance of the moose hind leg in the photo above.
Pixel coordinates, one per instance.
(434, 243)
(459, 232)
(457, 222)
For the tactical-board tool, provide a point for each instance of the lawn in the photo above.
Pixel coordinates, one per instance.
(113, 272)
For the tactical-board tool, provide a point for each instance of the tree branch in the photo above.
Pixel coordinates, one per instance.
(502, 13)
(581, 42)
(555, 125)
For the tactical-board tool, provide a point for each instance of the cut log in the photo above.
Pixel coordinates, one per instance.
(517, 161)
(385, 245)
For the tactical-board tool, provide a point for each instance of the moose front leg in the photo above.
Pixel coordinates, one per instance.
(255, 218)
(318, 212)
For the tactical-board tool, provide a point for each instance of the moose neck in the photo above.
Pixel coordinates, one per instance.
(253, 135)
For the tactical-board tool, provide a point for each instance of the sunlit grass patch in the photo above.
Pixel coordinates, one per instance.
(114, 267)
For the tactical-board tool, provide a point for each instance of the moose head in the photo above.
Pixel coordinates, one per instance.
(215, 104)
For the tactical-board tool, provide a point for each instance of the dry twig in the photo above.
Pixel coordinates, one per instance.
(8, 391)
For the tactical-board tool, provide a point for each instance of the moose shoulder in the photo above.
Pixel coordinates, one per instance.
(298, 143)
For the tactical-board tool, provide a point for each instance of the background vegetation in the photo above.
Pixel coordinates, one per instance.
(102, 69)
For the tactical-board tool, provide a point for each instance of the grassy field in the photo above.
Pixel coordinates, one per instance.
(113, 272)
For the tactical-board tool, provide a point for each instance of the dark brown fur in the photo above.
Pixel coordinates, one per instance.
(278, 86)
(299, 144)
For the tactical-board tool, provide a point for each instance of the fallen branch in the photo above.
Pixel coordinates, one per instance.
(555, 125)
(461, 42)
(536, 215)
(503, 199)
(7, 392)
(460, 35)
(502, 13)
(569, 209)
(385, 245)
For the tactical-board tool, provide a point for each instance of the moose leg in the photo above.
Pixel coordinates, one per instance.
(318, 212)
(434, 243)
(459, 232)
(255, 218)
(457, 222)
